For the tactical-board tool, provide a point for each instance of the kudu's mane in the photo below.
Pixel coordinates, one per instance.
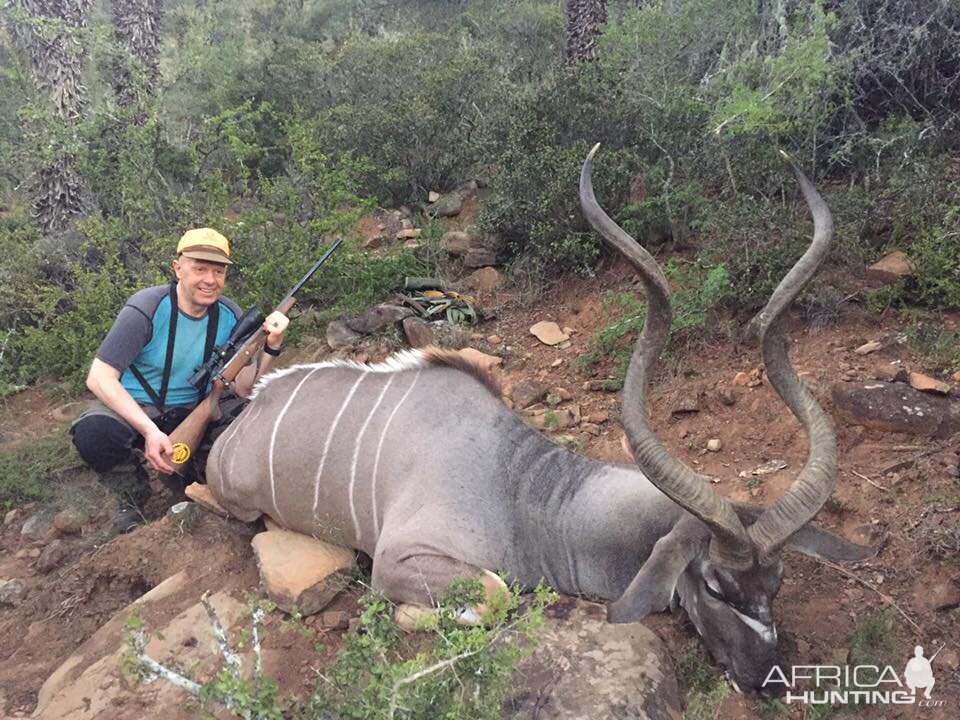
(398, 362)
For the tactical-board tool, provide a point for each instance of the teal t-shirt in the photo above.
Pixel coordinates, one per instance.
(138, 338)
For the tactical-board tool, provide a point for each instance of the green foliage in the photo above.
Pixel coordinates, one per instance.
(457, 672)
(704, 688)
(27, 473)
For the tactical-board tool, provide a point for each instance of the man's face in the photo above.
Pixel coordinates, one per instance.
(201, 281)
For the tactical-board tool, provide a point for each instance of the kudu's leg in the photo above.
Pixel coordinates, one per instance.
(416, 583)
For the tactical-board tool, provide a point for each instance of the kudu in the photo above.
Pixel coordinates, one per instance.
(420, 465)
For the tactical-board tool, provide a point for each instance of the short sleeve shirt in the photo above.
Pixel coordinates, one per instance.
(139, 336)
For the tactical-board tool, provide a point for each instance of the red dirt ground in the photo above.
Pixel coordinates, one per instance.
(897, 487)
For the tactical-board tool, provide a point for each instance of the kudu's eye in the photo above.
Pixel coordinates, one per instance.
(713, 591)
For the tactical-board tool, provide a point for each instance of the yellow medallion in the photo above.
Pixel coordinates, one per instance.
(181, 453)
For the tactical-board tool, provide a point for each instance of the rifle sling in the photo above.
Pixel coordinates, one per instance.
(213, 320)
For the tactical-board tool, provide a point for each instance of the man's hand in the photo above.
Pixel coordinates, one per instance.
(157, 449)
(275, 326)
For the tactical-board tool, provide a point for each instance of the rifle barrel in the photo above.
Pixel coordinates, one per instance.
(309, 274)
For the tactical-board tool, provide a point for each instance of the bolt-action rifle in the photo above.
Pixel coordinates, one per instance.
(222, 368)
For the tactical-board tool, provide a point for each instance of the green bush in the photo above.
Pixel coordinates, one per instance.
(26, 473)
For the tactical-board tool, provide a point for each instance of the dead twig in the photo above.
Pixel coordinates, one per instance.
(883, 596)
(876, 485)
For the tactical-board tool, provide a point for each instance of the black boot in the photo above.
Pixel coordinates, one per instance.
(130, 485)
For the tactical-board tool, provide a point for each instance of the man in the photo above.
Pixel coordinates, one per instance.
(141, 372)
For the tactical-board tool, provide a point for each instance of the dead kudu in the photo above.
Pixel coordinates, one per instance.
(419, 464)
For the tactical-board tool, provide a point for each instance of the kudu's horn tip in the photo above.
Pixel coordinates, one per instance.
(786, 157)
(593, 151)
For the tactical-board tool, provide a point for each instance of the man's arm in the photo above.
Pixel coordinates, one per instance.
(275, 326)
(103, 380)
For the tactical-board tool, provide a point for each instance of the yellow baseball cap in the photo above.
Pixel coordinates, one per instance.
(205, 244)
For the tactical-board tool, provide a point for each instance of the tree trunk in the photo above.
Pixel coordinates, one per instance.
(46, 34)
(137, 70)
(585, 21)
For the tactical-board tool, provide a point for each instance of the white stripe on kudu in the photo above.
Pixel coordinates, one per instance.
(376, 462)
(273, 439)
(356, 456)
(326, 448)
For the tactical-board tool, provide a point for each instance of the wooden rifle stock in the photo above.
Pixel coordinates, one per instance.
(186, 437)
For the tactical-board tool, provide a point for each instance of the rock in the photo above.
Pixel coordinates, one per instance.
(455, 242)
(562, 393)
(69, 521)
(11, 517)
(448, 205)
(37, 525)
(549, 333)
(53, 554)
(302, 573)
(71, 410)
(334, 620)
(869, 347)
(590, 428)
(925, 383)
(553, 420)
(741, 379)
(406, 224)
(557, 363)
(898, 408)
(584, 667)
(202, 496)
(340, 336)
(714, 445)
(686, 402)
(494, 339)
(487, 362)
(479, 257)
(891, 268)
(378, 319)
(452, 336)
(891, 373)
(956, 376)
(944, 596)
(950, 659)
(417, 332)
(597, 418)
(433, 196)
(484, 279)
(409, 234)
(12, 592)
(527, 392)
(727, 396)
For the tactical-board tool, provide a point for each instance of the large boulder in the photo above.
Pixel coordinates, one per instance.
(897, 407)
(584, 667)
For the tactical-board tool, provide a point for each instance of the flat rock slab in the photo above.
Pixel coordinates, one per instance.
(898, 408)
(585, 668)
(301, 573)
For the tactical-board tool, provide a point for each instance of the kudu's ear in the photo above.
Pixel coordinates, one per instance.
(652, 588)
(815, 542)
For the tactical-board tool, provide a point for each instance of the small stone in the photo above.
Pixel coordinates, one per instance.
(869, 347)
(849, 376)
(69, 521)
(527, 392)
(409, 234)
(484, 279)
(590, 428)
(925, 383)
(37, 525)
(714, 445)
(33, 553)
(727, 396)
(494, 339)
(548, 333)
(334, 620)
(562, 393)
(52, 556)
(686, 402)
(12, 592)
(891, 373)
(418, 333)
(557, 363)
(11, 517)
(956, 376)
(433, 196)
(597, 418)
(741, 379)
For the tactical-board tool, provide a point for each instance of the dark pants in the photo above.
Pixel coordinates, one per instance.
(107, 443)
